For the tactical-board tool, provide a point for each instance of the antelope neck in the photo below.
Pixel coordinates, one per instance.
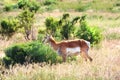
(53, 44)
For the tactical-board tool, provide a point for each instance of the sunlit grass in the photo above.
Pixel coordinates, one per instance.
(105, 23)
(105, 66)
(106, 58)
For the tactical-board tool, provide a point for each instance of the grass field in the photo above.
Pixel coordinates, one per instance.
(105, 66)
(106, 56)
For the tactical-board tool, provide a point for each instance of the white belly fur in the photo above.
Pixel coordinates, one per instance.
(72, 51)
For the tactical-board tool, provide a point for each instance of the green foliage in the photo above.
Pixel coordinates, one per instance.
(8, 8)
(31, 5)
(41, 34)
(26, 19)
(34, 6)
(9, 26)
(22, 3)
(23, 21)
(62, 28)
(8, 61)
(74, 5)
(67, 28)
(49, 2)
(117, 4)
(29, 52)
(40, 37)
(16, 53)
(89, 33)
(51, 24)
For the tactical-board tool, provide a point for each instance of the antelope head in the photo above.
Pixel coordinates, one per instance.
(46, 38)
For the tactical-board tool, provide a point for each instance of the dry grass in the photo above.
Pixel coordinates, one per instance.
(106, 59)
(105, 66)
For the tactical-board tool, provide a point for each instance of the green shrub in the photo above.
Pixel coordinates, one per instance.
(67, 26)
(34, 6)
(41, 34)
(31, 5)
(51, 25)
(117, 4)
(26, 19)
(7, 61)
(8, 8)
(9, 26)
(17, 53)
(40, 37)
(29, 52)
(63, 27)
(89, 33)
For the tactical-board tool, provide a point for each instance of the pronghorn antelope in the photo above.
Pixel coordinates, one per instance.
(69, 47)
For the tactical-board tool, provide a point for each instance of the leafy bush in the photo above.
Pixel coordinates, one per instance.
(7, 61)
(31, 5)
(67, 26)
(10, 7)
(34, 6)
(23, 21)
(26, 19)
(117, 4)
(63, 27)
(9, 26)
(41, 34)
(51, 25)
(29, 52)
(40, 37)
(89, 33)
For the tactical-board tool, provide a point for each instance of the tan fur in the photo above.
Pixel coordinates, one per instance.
(61, 47)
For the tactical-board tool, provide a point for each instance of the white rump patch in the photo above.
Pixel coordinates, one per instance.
(73, 51)
(88, 43)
